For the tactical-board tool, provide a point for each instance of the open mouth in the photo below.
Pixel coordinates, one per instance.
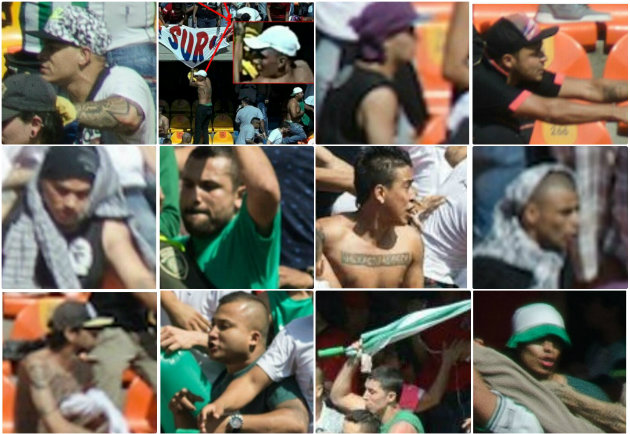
(547, 363)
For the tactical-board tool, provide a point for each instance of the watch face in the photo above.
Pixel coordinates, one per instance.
(236, 421)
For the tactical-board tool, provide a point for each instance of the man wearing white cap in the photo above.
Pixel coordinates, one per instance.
(296, 108)
(200, 80)
(275, 51)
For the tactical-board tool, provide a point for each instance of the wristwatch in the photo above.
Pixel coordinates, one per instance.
(235, 422)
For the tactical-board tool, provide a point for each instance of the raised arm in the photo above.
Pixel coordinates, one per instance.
(114, 113)
(340, 393)
(182, 314)
(124, 258)
(332, 173)
(263, 190)
(595, 90)
(455, 63)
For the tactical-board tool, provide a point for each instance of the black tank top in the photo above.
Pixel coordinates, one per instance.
(338, 124)
(86, 256)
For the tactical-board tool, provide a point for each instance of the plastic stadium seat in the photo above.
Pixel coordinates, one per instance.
(567, 56)
(594, 133)
(434, 132)
(7, 369)
(617, 27)
(617, 69)
(180, 122)
(176, 136)
(429, 55)
(180, 106)
(617, 63)
(31, 322)
(223, 122)
(584, 33)
(439, 11)
(141, 407)
(223, 138)
(8, 405)
(485, 15)
(13, 303)
(11, 34)
(164, 104)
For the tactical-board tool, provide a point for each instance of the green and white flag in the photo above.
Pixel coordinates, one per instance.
(375, 340)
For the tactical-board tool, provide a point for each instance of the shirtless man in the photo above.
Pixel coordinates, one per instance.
(200, 80)
(163, 126)
(375, 247)
(297, 108)
(51, 378)
(274, 56)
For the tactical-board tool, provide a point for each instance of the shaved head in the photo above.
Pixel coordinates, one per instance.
(253, 310)
(551, 184)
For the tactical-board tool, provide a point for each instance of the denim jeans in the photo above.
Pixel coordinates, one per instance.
(140, 58)
(263, 108)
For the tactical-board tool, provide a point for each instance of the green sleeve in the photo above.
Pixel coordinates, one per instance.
(169, 183)
(283, 391)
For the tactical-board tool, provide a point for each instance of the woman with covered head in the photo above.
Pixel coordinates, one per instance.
(525, 392)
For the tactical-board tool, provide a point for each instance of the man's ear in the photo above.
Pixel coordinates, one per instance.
(85, 57)
(35, 126)
(380, 192)
(531, 214)
(508, 60)
(240, 192)
(254, 339)
(391, 397)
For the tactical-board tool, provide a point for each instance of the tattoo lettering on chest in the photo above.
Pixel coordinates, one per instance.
(388, 260)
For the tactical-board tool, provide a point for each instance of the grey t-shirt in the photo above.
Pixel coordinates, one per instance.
(247, 132)
(245, 115)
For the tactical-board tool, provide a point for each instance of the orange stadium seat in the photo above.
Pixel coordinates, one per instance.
(31, 322)
(565, 55)
(594, 133)
(617, 27)
(434, 132)
(141, 407)
(13, 303)
(429, 57)
(439, 11)
(8, 405)
(617, 69)
(223, 122)
(7, 369)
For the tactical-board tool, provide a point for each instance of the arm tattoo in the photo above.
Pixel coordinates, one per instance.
(389, 260)
(616, 92)
(109, 114)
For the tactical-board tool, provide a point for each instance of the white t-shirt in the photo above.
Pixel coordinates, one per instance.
(275, 137)
(291, 353)
(444, 232)
(128, 23)
(129, 165)
(430, 168)
(127, 83)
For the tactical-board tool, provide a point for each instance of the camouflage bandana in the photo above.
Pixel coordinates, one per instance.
(78, 26)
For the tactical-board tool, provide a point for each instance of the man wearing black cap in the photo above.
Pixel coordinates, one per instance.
(113, 100)
(73, 226)
(367, 93)
(51, 380)
(29, 113)
(511, 85)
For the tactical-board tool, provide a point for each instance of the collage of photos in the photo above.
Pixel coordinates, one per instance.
(190, 244)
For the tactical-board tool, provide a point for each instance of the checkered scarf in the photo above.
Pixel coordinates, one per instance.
(508, 242)
(34, 231)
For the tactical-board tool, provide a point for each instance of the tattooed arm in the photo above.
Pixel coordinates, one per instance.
(39, 376)
(114, 113)
(611, 417)
(595, 90)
